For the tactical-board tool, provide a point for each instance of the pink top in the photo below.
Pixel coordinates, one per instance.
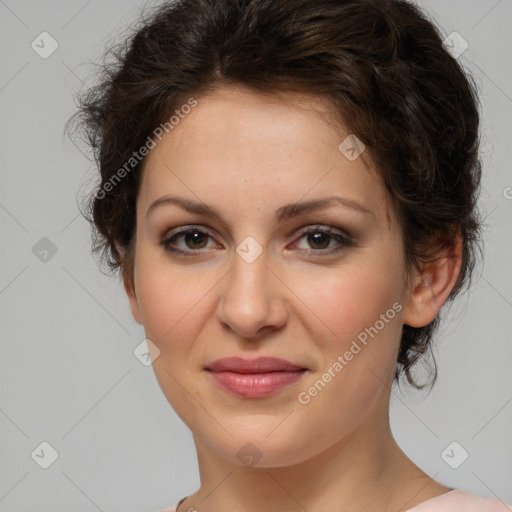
(455, 500)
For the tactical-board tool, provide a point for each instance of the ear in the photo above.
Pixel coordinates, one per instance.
(132, 299)
(433, 285)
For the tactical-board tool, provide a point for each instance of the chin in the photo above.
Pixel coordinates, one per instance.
(263, 444)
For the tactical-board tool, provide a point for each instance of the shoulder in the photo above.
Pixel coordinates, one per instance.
(458, 500)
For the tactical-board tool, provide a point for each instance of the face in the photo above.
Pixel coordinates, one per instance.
(320, 287)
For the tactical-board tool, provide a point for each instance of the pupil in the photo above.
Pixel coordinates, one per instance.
(317, 239)
(196, 237)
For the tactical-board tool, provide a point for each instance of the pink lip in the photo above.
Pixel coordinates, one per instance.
(258, 365)
(254, 378)
(255, 385)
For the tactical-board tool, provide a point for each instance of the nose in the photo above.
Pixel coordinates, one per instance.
(252, 301)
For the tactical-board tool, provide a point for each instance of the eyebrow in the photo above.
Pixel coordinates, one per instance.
(283, 213)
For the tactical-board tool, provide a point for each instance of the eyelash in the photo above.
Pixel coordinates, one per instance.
(344, 241)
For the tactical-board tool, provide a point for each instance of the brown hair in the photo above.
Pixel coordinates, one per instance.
(380, 63)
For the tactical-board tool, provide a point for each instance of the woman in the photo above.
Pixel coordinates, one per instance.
(289, 191)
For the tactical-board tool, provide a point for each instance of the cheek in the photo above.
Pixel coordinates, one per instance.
(347, 301)
(358, 336)
(172, 299)
(361, 307)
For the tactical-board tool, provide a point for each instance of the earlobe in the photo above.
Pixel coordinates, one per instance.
(433, 286)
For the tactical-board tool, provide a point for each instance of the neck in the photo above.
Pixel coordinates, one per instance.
(365, 470)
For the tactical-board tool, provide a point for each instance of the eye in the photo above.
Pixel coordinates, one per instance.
(194, 238)
(320, 238)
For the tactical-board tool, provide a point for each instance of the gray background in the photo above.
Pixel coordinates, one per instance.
(68, 375)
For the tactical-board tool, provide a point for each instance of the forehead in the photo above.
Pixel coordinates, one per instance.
(269, 110)
(255, 144)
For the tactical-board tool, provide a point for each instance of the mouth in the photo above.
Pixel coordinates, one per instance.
(254, 378)
(258, 365)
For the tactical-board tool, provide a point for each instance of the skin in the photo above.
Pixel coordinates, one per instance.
(245, 155)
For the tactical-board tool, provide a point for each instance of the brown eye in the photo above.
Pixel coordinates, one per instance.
(194, 239)
(321, 239)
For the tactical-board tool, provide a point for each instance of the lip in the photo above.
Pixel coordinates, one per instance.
(258, 365)
(254, 378)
